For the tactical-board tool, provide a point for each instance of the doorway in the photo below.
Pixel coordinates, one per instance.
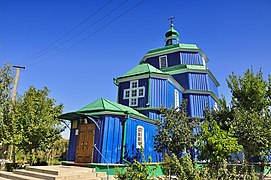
(85, 143)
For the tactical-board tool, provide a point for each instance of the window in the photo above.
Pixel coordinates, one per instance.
(140, 137)
(141, 92)
(163, 62)
(203, 62)
(215, 108)
(176, 97)
(134, 84)
(134, 93)
(133, 102)
(126, 94)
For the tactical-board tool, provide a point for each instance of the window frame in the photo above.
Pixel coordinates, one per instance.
(176, 99)
(160, 61)
(142, 133)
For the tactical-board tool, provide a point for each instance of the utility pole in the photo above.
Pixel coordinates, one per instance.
(18, 69)
(13, 98)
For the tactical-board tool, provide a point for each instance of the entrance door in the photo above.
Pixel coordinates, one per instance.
(85, 143)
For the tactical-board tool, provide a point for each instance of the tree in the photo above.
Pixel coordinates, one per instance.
(36, 113)
(215, 144)
(251, 101)
(6, 80)
(175, 132)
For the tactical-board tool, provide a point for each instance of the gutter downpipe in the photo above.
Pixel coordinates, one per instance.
(107, 175)
(124, 138)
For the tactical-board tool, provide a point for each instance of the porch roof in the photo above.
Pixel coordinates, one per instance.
(101, 106)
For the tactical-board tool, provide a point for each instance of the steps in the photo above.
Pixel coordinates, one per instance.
(54, 173)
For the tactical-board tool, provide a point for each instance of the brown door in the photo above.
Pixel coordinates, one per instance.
(85, 143)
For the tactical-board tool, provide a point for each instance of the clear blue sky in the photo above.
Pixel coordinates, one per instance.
(234, 34)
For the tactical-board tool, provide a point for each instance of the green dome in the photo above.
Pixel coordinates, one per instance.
(172, 32)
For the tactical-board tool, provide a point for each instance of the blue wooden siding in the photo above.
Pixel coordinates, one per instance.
(112, 139)
(212, 86)
(162, 93)
(198, 81)
(197, 103)
(72, 145)
(190, 58)
(172, 59)
(152, 114)
(182, 79)
(142, 102)
(131, 152)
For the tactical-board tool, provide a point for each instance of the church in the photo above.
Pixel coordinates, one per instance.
(114, 132)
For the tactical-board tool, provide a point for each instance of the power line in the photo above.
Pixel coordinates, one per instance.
(76, 35)
(87, 37)
(67, 33)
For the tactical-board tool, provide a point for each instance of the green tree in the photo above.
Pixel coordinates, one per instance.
(36, 113)
(215, 145)
(175, 131)
(251, 101)
(6, 115)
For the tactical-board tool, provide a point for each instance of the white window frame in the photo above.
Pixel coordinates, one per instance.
(137, 136)
(124, 93)
(215, 108)
(136, 101)
(203, 61)
(131, 84)
(160, 61)
(176, 99)
(131, 89)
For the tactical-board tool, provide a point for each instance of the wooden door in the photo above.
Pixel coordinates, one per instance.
(85, 143)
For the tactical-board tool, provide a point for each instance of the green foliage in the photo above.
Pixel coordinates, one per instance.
(137, 170)
(214, 144)
(175, 132)
(36, 114)
(182, 168)
(251, 101)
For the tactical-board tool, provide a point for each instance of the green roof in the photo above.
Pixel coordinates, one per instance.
(102, 105)
(142, 69)
(181, 46)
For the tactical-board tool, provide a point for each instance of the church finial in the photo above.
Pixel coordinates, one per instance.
(171, 20)
(172, 36)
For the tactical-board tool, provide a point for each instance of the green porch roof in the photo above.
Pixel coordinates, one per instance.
(102, 106)
(142, 69)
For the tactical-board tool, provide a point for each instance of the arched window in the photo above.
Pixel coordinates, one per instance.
(140, 137)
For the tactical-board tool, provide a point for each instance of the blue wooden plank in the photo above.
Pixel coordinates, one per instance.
(72, 146)
(112, 139)
(190, 58)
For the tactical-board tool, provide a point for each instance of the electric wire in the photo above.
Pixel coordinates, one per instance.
(87, 37)
(79, 33)
(66, 34)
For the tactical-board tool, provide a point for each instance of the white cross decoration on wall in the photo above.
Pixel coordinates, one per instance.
(134, 93)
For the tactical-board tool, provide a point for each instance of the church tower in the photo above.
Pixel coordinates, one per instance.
(168, 74)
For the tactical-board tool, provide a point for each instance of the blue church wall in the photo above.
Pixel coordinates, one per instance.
(197, 103)
(190, 58)
(177, 58)
(182, 79)
(196, 81)
(111, 139)
(162, 93)
(152, 114)
(172, 59)
(142, 101)
(131, 152)
(212, 86)
(72, 145)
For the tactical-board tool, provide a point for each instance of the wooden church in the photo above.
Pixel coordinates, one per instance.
(113, 132)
